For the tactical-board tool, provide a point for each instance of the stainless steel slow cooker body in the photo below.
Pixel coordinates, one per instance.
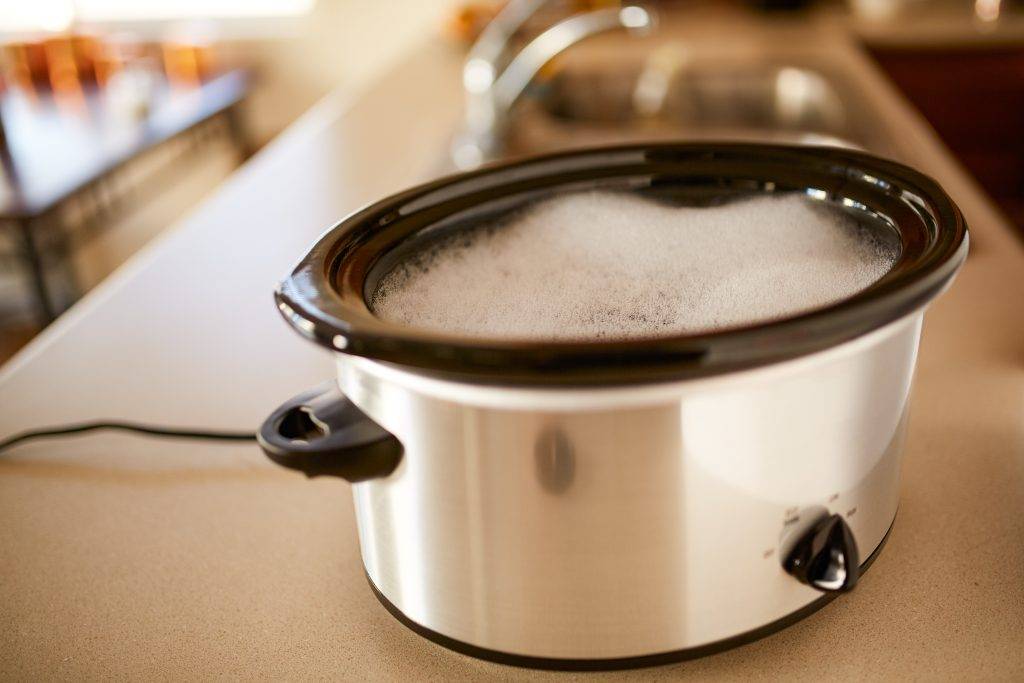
(596, 505)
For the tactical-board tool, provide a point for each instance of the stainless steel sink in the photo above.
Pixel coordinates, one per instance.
(673, 96)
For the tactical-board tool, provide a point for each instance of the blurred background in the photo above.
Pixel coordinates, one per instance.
(117, 117)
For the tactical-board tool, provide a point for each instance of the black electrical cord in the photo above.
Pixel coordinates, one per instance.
(149, 430)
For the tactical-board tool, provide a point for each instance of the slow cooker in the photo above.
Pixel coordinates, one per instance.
(589, 505)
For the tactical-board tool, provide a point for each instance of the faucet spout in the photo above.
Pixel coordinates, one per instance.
(486, 57)
(490, 94)
(521, 71)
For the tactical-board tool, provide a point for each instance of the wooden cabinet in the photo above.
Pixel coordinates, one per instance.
(974, 98)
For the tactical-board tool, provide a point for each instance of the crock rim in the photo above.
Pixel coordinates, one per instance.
(324, 298)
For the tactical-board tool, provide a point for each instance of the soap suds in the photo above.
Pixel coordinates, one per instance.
(606, 265)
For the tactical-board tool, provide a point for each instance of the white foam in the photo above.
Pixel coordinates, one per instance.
(606, 265)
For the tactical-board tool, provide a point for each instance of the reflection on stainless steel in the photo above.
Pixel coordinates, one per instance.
(492, 90)
(801, 95)
(988, 10)
(655, 80)
(556, 462)
(674, 94)
(665, 530)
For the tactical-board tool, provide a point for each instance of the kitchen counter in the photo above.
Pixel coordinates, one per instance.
(944, 27)
(122, 556)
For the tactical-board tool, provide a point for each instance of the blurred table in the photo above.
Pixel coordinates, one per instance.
(54, 147)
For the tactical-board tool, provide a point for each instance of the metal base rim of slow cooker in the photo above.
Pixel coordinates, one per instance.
(615, 663)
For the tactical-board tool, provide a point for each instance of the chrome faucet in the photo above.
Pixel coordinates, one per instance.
(493, 83)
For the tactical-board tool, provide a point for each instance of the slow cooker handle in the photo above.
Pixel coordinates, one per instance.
(321, 432)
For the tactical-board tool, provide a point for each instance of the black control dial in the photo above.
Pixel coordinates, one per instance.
(826, 556)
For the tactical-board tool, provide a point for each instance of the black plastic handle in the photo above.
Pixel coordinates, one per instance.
(322, 433)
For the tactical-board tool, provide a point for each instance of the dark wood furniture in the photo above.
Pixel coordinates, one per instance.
(974, 98)
(54, 149)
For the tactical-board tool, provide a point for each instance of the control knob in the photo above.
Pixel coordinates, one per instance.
(825, 557)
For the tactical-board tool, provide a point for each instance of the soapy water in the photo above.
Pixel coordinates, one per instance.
(606, 265)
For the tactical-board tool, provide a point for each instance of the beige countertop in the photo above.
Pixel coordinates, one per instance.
(926, 24)
(953, 26)
(128, 557)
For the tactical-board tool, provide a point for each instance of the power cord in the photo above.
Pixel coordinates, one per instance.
(148, 430)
